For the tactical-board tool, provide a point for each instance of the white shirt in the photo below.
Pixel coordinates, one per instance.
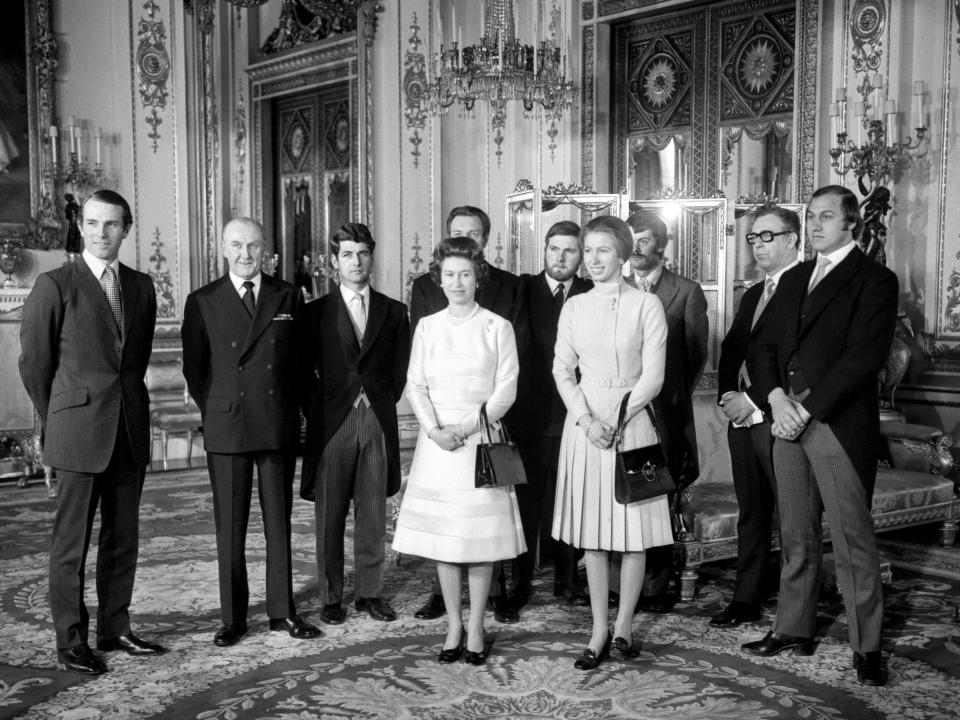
(239, 281)
(835, 258)
(97, 266)
(348, 295)
(552, 284)
(652, 277)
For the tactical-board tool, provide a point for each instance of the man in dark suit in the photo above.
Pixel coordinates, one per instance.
(831, 325)
(499, 294)
(87, 335)
(356, 343)
(686, 311)
(240, 361)
(774, 238)
(542, 413)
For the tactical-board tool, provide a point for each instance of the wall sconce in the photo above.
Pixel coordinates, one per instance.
(76, 176)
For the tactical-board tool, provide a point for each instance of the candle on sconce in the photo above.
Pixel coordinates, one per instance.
(919, 90)
(834, 114)
(460, 45)
(840, 94)
(877, 85)
(858, 110)
(890, 111)
(79, 154)
(97, 136)
(53, 143)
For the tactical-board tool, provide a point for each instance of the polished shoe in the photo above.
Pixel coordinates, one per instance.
(589, 660)
(131, 645)
(80, 659)
(432, 608)
(333, 614)
(376, 608)
(475, 658)
(451, 655)
(774, 643)
(735, 614)
(520, 596)
(626, 650)
(504, 611)
(870, 668)
(229, 635)
(661, 603)
(296, 626)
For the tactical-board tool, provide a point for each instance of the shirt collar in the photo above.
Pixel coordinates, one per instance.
(838, 255)
(348, 294)
(652, 277)
(777, 275)
(552, 284)
(239, 281)
(97, 266)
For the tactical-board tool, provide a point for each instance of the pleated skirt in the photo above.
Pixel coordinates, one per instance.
(586, 513)
(444, 517)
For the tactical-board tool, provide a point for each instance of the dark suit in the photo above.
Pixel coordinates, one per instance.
(751, 449)
(686, 311)
(825, 348)
(241, 371)
(86, 383)
(543, 413)
(353, 448)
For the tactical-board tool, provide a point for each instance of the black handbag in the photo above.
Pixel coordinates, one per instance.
(642, 473)
(498, 464)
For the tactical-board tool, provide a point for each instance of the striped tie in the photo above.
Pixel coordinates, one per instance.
(112, 288)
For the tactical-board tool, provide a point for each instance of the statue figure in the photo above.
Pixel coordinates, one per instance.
(74, 242)
(874, 236)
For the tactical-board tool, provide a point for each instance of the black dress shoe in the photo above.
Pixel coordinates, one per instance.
(774, 643)
(451, 655)
(475, 658)
(131, 645)
(662, 603)
(376, 608)
(520, 596)
(589, 660)
(229, 635)
(333, 614)
(296, 626)
(870, 668)
(626, 650)
(80, 659)
(504, 611)
(432, 608)
(736, 613)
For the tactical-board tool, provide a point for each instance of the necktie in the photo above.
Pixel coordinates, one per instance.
(644, 284)
(768, 289)
(112, 288)
(359, 312)
(558, 297)
(818, 274)
(249, 301)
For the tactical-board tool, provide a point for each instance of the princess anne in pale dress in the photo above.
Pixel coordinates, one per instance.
(461, 357)
(616, 336)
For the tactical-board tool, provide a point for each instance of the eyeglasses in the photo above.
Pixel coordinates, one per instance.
(765, 236)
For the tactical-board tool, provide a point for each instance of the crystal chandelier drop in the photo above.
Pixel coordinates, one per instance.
(500, 69)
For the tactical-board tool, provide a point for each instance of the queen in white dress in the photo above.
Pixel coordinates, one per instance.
(615, 335)
(461, 357)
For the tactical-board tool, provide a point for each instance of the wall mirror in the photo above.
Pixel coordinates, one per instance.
(657, 162)
(757, 160)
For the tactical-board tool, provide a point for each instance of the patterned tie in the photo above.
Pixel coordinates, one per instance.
(818, 274)
(249, 301)
(644, 284)
(768, 289)
(359, 311)
(112, 288)
(558, 297)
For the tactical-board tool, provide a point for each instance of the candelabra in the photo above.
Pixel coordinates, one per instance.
(76, 177)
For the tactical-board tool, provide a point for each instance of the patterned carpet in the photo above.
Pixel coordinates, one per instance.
(366, 669)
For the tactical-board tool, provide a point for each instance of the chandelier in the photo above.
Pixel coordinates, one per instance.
(500, 70)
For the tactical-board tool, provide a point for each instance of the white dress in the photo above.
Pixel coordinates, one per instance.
(456, 364)
(616, 336)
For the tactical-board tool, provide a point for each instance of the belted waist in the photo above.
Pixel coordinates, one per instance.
(611, 382)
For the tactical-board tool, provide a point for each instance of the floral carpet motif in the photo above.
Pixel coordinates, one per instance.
(367, 669)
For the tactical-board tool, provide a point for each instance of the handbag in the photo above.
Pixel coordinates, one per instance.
(498, 464)
(641, 473)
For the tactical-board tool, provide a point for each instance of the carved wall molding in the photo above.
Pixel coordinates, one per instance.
(414, 90)
(153, 68)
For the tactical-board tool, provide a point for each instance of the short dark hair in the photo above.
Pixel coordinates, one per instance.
(111, 198)
(351, 232)
(470, 211)
(616, 228)
(461, 247)
(564, 227)
(649, 220)
(848, 203)
(790, 220)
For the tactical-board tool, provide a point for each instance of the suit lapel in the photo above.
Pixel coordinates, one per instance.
(487, 297)
(826, 290)
(267, 305)
(344, 324)
(130, 290)
(667, 288)
(89, 285)
(375, 318)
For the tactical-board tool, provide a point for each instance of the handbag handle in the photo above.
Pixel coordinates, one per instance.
(623, 414)
(485, 426)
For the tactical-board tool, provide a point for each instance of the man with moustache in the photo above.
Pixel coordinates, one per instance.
(499, 294)
(356, 344)
(542, 413)
(86, 338)
(240, 360)
(774, 238)
(831, 325)
(686, 311)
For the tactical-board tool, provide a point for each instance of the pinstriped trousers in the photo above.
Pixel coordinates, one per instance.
(353, 467)
(814, 474)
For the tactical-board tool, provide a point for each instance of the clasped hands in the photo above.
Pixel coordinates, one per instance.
(451, 437)
(736, 406)
(789, 417)
(599, 433)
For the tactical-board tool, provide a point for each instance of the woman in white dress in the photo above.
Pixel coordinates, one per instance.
(615, 335)
(461, 357)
